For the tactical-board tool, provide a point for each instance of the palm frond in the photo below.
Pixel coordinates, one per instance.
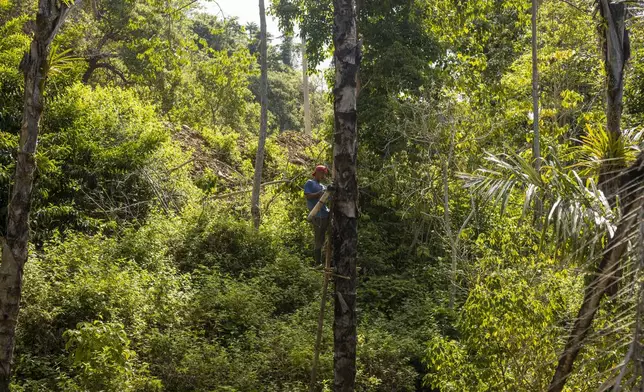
(61, 61)
(573, 207)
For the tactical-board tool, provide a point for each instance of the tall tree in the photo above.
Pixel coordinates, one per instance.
(305, 88)
(616, 51)
(345, 206)
(254, 37)
(263, 97)
(286, 50)
(50, 16)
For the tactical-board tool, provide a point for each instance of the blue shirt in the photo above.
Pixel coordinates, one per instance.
(312, 186)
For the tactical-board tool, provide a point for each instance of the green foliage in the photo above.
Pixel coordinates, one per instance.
(385, 362)
(226, 35)
(599, 147)
(100, 354)
(99, 151)
(284, 97)
(88, 278)
(509, 322)
(224, 144)
(229, 309)
(226, 244)
(145, 275)
(217, 92)
(12, 48)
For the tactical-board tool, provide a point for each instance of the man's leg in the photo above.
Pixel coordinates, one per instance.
(324, 223)
(319, 228)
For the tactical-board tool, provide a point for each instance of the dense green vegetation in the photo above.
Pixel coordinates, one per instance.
(146, 275)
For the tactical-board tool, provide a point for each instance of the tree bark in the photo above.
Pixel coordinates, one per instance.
(305, 88)
(632, 195)
(50, 16)
(616, 51)
(536, 144)
(263, 93)
(345, 200)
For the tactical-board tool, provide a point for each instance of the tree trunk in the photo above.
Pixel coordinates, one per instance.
(51, 15)
(305, 88)
(632, 195)
(536, 144)
(616, 51)
(263, 93)
(345, 200)
(447, 218)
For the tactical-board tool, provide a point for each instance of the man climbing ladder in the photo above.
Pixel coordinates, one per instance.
(313, 191)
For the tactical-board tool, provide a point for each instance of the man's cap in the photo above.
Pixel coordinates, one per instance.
(320, 168)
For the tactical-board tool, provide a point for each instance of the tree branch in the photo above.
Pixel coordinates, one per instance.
(94, 65)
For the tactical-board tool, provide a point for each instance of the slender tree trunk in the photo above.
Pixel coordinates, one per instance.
(263, 92)
(616, 51)
(631, 184)
(305, 88)
(447, 217)
(51, 15)
(536, 145)
(345, 200)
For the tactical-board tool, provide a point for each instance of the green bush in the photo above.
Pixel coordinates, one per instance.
(226, 309)
(13, 44)
(511, 315)
(84, 279)
(290, 283)
(104, 155)
(219, 241)
(224, 142)
(102, 360)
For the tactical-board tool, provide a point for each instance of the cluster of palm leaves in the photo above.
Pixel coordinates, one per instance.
(573, 206)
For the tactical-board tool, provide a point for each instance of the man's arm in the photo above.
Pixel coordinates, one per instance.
(316, 195)
(309, 187)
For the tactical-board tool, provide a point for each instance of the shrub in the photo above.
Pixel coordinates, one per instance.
(83, 279)
(224, 142)
(101, 357)
(231, 246)
(103, 155)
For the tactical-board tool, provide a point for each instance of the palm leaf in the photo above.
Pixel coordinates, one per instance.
(61, 61)
(575, 209)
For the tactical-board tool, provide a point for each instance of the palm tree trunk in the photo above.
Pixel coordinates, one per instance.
(263, 93)
(51, 15)
(345, 200)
